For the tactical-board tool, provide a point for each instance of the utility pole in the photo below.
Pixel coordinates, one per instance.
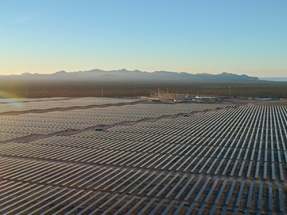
(167, 94)
(135, 91)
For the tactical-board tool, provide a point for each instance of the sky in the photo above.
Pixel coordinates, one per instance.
(194, 36)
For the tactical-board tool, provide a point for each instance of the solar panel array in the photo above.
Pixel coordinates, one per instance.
(151, 159)
(22, 104)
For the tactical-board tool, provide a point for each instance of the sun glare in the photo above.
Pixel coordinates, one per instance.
(10, 99)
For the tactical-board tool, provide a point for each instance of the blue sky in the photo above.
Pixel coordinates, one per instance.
(243, 37)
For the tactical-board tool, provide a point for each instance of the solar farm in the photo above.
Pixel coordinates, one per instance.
(149, 158)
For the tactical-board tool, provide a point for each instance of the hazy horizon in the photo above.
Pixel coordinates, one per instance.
(260, 77)
(188, 36)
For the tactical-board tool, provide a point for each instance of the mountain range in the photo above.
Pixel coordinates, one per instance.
(126, 75)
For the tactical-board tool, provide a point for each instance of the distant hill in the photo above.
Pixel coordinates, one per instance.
(125, 75)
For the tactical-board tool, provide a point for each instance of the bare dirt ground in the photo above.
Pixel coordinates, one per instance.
(281, 102)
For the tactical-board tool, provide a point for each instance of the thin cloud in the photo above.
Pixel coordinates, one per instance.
(24, 19)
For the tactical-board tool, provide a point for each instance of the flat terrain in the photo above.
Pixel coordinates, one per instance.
(150, 158)
(93, 88)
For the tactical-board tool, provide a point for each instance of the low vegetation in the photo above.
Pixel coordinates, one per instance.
(39, 89)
